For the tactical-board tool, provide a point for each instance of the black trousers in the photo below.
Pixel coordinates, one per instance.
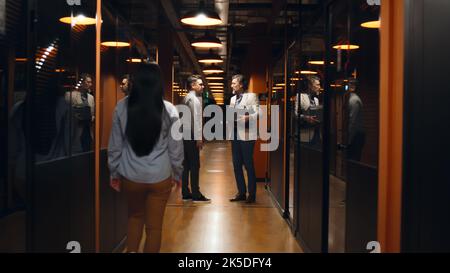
(356, 147)
(243, 156)
(191, 168)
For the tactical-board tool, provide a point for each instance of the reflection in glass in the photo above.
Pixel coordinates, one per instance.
(354, 84)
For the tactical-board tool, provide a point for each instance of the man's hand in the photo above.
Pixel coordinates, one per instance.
(245, 118)
(116, 184)
(311, 120)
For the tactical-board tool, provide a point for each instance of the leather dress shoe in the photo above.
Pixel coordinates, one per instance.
(251, 199)
(238, 198)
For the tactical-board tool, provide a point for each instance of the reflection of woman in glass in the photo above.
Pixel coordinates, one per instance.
(143, 156)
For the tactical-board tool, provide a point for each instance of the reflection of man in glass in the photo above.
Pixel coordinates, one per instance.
(124, 84)
(308, 108)
(83, 109)
(356, 134)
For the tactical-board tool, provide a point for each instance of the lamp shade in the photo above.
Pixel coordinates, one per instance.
(207, 41)
(115, 37)
(209, 58)
(214, 77)
(202, 17)
(210, 69)
(370, 17)
(371, 24)
(79, 15)
(79, 19)
(346, 46)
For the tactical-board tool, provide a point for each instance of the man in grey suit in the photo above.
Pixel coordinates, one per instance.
(244, 140)
(192, 147)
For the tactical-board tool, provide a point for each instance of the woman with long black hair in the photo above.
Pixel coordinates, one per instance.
(143, 157)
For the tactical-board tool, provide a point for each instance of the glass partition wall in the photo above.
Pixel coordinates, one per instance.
(48, 112)
(331, 76)
(353, 77)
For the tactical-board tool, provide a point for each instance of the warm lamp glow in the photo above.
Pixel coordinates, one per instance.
(212, 69)
(371, 24)
(346, 47)
(216, 83)
(206, 44)
(202, 18)
(134, 60)
(207, 41)
(78, 20)
(214, 78)
(317, 62)
(115, 44)
(210, 61)
(306, 72)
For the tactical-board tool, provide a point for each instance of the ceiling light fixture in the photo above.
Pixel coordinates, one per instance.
(371, 24)
(306, 72)
(78, 20)
(214, 78)
(212, 69)
(210, 58)
(207, 41)
(346, 47)
(202, 17)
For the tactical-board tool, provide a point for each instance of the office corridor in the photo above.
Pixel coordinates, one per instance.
(222, 226)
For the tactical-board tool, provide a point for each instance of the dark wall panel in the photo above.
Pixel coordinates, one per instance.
(276, 165)
(107, 198)
(426, 176)
(82, 201)
(63, 204)
(310, 199)
(113, 211)
(361, 207)
(51, 208)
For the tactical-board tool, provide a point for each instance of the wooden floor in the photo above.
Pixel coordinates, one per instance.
(222, 226)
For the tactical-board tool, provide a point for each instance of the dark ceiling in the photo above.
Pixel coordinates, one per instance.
(241, 18)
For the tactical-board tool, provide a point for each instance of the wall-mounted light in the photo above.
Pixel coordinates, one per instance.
(201, 17)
